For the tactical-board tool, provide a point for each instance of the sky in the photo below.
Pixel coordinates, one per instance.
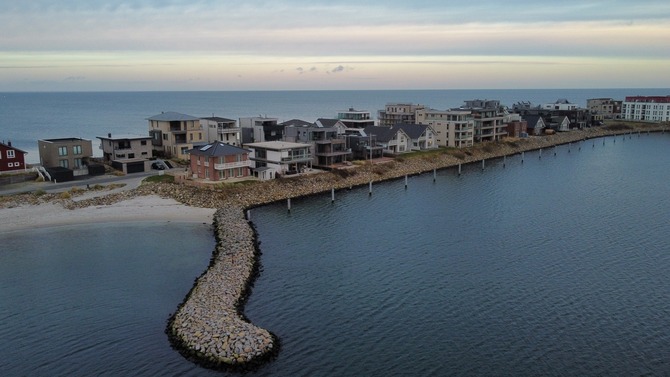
(68, 45)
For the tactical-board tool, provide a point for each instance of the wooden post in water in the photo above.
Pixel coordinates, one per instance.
(523, 155)
(370, 190)
(555, 147)
(483, 163)
(405, 181)
(434, 174)
(332, 195)
(288, 204)
(459, 169)
(569, 146)
(539, 156)
(504, 160)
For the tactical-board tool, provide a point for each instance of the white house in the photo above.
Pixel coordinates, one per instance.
(272, 158)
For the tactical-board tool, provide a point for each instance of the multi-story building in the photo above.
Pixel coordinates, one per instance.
(646, 108)
(516, 126)
(274, 158)
(328, 145)
(604, 108)
(11, 158)
(222, 129)
(398, 113)
(174, 134)
(260, 130)
(217, 161)
(355, 118)
(561, 104)
(453, 128)
(489, 119)
(127, 153)
(69, 153)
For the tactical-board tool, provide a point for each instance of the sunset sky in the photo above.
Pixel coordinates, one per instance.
(66, 45)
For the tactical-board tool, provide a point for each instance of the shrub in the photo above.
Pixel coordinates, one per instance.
(65, 195)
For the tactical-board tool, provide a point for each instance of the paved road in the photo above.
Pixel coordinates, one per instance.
(131, 181)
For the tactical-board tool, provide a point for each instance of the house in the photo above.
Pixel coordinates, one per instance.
(559, 123)
(422, 136)
(127, 153)
(217, 161)
(173, 134)
(561, 104)
(489, 119)
(453, 128)
(353, 118)
(11, 158)
(277, 158)
(66, 153)
(516, 126)
(362, 145)
(604, 108)
(328, 145)
(261, 129)
(336, 124)
(393, 140)
(535, 124)
(222, 129)
(646, 108)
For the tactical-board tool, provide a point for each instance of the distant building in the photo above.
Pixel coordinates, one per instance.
(222, 129)
(261, 129)
(646, 108)
(605, 108)
(561, 104)
(398, 113)
(516, 126)
(173, 134)
(353, 118)
(218, 161)
(453, 128)
(11, 158)
(68, 153)
(327, 143)
(489, 119)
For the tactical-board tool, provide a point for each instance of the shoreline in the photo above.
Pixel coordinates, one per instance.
(209, 326)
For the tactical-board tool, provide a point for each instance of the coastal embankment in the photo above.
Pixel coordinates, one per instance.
(209, 326)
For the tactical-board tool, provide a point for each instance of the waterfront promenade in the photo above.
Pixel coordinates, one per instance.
(209, 326)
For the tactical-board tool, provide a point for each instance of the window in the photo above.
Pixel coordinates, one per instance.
(143, 142)
(77, 163)
(10, 154)
(63, 164)
(10, 164)
(165, 136)
(62, 151)
(76, 149)
(131, 155)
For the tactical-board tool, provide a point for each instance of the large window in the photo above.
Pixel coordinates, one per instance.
(76, 149)
(77, 163)
(10, 153)
(63, 164)
(62, 151)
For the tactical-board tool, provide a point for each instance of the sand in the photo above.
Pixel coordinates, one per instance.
(142, 208)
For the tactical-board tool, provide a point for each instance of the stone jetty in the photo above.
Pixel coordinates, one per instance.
(209, 327)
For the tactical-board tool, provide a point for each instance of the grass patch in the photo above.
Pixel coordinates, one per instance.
(65, 195)
(39, 192)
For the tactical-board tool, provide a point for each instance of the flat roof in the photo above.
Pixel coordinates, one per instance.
(123, 137)
(276, 145)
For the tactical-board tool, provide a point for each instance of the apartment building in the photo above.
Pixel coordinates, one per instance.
(222, 129)
(453, 128)
(489, 119)
(69, 153)
(398, 113)
(604, 108)
(174, 134)
(353, 118)
(646, 108)
(261, 129)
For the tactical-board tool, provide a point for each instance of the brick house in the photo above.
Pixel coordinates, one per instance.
(217, 161)
(11, 158)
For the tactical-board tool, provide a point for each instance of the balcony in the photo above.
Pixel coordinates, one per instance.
(233, 165)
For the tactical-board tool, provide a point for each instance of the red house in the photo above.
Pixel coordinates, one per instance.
(218, 161)
(11, 158)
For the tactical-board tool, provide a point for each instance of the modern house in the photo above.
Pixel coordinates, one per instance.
(421, 136)
(362, 145)
(218, 161)
(644, 108)
(516, 126)
(173, 134)
(604, 108)
(127, 153)
(335, 124)
(278, 158)
(328, 144)
(222, 129)
(261, 129)
(11, 158)
(535, 124)
(353, 118)
(398, 113)
(393, 140)
(453, 128)
(66, 153)
(561, 104)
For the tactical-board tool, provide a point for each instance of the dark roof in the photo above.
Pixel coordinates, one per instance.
(414, 131)
(381, 133)
(219, 119)
(327, 122)
(217, 149)
(172, 116)
(532, 120)
(297, 123)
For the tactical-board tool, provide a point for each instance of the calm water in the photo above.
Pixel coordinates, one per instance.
(557, 266)
(28, 117)
(94, 300)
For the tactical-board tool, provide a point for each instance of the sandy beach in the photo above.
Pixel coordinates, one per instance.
(140, 208)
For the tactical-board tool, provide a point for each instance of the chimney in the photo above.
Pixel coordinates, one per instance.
(109, 135)
(9, 143)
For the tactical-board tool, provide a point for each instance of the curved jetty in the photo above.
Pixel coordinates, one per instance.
(208, 326)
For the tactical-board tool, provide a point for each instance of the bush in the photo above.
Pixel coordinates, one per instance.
(65, 195)
(39, 192)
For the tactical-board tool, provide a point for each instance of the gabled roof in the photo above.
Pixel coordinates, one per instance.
(297, 123)
(383, 133)
(14, 148)
(327, 122)
(217, 149)
(414, 131)
(172, 116)
(532, 120)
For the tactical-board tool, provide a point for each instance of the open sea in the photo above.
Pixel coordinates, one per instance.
(556, 265)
